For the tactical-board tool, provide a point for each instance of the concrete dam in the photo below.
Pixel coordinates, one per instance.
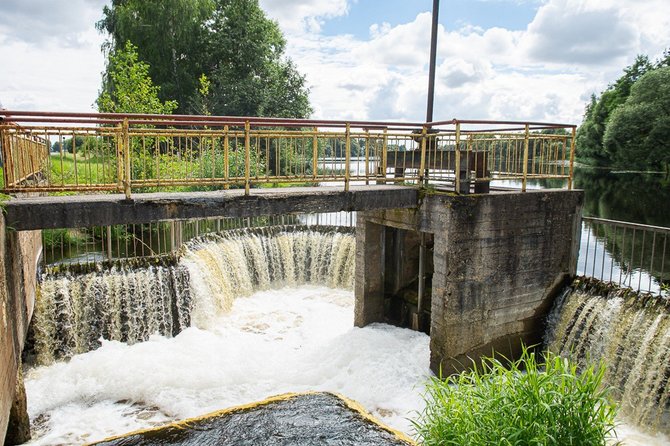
(440, 267)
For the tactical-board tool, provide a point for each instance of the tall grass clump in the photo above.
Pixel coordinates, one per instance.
(518, 403)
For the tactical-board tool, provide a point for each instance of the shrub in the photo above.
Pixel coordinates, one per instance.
(518, 403)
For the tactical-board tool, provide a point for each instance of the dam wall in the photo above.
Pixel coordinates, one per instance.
(498, 261)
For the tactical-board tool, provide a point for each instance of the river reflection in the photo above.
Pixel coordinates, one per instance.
(627, 196)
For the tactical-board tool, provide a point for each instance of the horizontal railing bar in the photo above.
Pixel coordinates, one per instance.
(626, 224)
(30, 116)
(488, 122)
(22, 116)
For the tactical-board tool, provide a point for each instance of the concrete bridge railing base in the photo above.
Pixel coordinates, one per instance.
(498, 261)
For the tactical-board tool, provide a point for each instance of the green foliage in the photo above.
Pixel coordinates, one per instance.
(238, 50)
(639, 131)
(89, 145)
(211, 164)
(128, 88)
(57, 238)
(628, 144)
(170, 37)
(522, 403)
(89, 170)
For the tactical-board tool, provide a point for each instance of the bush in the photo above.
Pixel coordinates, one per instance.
(518, 403)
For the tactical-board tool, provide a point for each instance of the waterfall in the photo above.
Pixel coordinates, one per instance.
(630, 334)
(75, 307)
(130, 301)
(233, 264)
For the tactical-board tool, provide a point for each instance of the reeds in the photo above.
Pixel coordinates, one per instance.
(522, 402)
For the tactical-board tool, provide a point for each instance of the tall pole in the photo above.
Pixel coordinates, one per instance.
(433, 56)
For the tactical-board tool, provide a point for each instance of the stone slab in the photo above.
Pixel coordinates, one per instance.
(307, 419)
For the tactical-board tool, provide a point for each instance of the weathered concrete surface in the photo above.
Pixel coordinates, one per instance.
(98, 210)
(301, 419)
(369, 274)
(498, 262)
(18, 428)
(18, 262)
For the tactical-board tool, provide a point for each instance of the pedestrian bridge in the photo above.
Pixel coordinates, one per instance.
(83, 153)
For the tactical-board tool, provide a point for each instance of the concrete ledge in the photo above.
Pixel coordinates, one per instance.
(98, 210)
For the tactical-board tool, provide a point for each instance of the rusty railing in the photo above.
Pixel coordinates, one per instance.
(83, 152)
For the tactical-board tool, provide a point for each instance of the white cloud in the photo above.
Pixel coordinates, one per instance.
(570, 49)
(567, 31)
(51, 58)
(40, 21)
(304, 15)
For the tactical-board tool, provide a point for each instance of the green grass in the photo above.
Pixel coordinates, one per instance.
(90, 170)
(57, 238)
(521, 403)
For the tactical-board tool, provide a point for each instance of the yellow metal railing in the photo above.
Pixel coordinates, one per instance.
(25, 156)
(60, 152)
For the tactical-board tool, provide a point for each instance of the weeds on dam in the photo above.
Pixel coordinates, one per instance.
(523, 402)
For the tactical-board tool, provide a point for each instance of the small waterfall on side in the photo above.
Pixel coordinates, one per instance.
(134, 299)
(630, 334)
(126, 302)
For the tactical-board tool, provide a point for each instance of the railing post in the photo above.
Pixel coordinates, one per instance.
(525, 158)
(6, 157)
(422, 162)
(109, 243)
(226, 149)
(247, 157)
(126, 159)
(385, 149)
(315, 154)
(119, 157)
(347, 157)
(367, 157)
(572, 157)
(457, 160)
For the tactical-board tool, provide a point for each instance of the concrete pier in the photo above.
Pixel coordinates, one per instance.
(498, 261)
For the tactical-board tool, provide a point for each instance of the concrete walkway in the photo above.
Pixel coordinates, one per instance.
(77, 211)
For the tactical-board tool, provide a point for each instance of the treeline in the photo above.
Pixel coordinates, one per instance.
(221, 57)
(628, 125)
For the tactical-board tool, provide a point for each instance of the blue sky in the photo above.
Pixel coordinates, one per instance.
(454, 14)
(534, 60)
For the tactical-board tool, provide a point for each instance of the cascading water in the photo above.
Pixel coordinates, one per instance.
(129, 302)
(630, 334)
(291, 339)
(237, 263)
(125, 303)
(262, 322)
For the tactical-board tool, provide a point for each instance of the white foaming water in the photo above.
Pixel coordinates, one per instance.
(289, 340)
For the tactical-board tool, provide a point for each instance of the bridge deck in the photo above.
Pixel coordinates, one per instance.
(99, 210)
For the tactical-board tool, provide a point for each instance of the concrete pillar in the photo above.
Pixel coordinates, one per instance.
(499, 263)
(19, 252)
(369, 288)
